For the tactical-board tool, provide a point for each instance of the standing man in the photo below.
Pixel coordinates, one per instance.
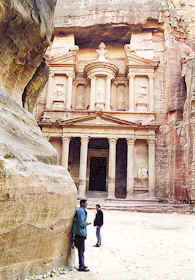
(80, 233)
(98, 223)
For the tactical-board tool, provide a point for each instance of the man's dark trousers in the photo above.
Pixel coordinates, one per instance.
(81, 250)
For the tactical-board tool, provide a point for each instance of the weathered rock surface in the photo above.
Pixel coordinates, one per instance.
(87, 13)
(100, 20)
(26, 27)
(37, 197)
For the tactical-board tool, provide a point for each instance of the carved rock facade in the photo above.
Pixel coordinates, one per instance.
(116, 98)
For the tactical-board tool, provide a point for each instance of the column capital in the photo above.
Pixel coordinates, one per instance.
(131, 75)
(151, 141)
(109, 77)
(70, 75)
(51, 72)
(66, 138)
(112, 140)
(150, 75)
(84, 139)
(130, 141)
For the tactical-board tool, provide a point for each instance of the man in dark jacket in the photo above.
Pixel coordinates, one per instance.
(98, 223)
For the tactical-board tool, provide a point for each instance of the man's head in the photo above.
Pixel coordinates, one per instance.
(98, 207)
(83, 203)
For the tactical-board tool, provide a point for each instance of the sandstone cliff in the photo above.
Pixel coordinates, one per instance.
(37, 197)
(26, 28)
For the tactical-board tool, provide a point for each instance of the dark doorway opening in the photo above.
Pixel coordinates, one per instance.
(97, 179)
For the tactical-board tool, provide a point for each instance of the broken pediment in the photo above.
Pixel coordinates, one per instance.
(65, 59)
(135, 61)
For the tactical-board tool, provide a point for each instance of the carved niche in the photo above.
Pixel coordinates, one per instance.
(100, 93)
(142, 93)
(60, 85)
(121, 94)
(81, 94)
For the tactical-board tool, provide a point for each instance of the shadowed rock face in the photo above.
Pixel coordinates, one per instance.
(37, 197)
(26, 27)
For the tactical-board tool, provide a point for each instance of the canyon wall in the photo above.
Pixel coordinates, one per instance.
(37, 197)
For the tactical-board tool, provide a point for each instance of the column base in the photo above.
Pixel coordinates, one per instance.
(81, 192)
(151, 194)
(111, 196)
(130, 195)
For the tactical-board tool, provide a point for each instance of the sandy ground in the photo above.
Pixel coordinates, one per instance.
(139, 246)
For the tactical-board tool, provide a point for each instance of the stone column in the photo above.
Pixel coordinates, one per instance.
(112, 168)
(130, 166)
(65, 151)
(50, 90)
(69, 92)
(151, 92)
(131, 93)
(151, 171)
(83, 166)
(108, 93)
(92, 94)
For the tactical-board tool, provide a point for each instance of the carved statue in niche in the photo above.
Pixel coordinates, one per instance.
(81, 102)
(141, 93)
(142, 177)
(100, 94)
(142, 173)
(59, 93)
(121, 103)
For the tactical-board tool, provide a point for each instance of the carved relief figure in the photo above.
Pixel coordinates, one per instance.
(142, 173)
(141, 93)
(59, 93)
(81, 102)
(100, 94)
(121, 105)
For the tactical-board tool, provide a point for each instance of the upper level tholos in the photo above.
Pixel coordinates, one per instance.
(108, 77)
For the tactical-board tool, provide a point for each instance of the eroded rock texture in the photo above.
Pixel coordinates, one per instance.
(26, 28)
(37, 197)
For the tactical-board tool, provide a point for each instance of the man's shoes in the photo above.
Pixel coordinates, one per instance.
(84, 269)
(97, 245)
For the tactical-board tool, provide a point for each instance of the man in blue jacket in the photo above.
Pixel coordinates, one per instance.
(80, 232)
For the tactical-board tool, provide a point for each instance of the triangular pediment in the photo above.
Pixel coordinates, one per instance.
(97, 120)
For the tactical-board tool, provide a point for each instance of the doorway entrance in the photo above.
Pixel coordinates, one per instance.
(97, 178)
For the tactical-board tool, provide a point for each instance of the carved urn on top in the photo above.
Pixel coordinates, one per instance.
(100, 72)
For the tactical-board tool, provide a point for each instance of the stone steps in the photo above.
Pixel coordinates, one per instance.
(145, 206)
